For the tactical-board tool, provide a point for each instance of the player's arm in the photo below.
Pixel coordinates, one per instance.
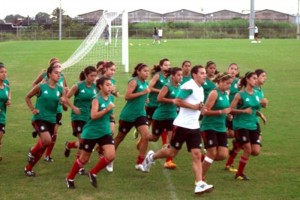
(153, 82)
(162, 96)
(130, 91)
(34, 91)
(234, 103)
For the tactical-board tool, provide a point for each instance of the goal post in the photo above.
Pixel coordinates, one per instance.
(107, 41)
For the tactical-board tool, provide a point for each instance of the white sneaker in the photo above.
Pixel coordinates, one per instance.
(110, 167)
(202, 187)
(139, 167)
(148, 161)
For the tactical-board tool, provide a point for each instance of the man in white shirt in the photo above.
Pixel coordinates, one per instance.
(187, 128)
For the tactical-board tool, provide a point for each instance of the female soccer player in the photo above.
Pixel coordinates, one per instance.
(245, 106)
(133, 113)
(5, 100)
(209, 85)
(213, 126)
(166, 111)
(48, 94)
(83, 92)
(186, 71)
(96, 131)
(62, 82)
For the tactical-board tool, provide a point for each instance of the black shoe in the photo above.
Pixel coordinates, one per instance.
(67, 151)
(70, 183)
(29, 173)
(34, 134)
(93, 179)
(82, 171)
(31, 157)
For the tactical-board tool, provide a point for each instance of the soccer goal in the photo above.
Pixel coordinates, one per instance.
(107, 41)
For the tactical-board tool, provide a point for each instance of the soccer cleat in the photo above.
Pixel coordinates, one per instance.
(93, 179)
(202, 187)
(230, 168)
(48, 159)
(148, 161)
(170, 165)
(67, 150)
(31, 157)
(70, 183)
(82, 171)
(110, 167)
(29, 172)
(139, 167)
(242, 177)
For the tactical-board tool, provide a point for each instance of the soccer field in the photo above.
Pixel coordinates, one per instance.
(275, 173)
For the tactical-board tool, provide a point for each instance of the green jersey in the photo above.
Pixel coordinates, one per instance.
(185, 79)
(135, 108)
(244, 120)
(83, 100)
(158, 85)
(167, 111)
(261, 95)
(208, 86)
(233, 89)
(217, 122)
(4, 92)
(61, 84)
(6, 82)
(97, 128)
(47, 102)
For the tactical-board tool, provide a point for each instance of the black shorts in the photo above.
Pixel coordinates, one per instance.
(2, 128)
(41, 126)
(244, 136)
(58, 118)
(125, 127)
(149, 112)
(89, 144)
(213, 138)
(159, 126)
(77, 126)
(256, 35)
(192, 138)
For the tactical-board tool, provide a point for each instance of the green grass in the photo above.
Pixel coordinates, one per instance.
(274, 174)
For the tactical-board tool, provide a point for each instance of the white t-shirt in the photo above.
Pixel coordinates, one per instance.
(160, 32)
(255, 29)
(189, 118)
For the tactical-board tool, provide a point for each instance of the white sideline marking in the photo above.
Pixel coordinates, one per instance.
(170, 186)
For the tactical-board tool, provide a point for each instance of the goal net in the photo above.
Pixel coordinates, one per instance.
(107, 41)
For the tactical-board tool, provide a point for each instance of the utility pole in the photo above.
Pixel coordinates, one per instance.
(251, 20)
(298, 22)
(60, 21)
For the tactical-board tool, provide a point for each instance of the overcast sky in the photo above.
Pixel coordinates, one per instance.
(76, 7)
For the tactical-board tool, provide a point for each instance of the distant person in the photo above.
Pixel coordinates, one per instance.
(155, 35)
(160, 34)
(106, 36)
(256, 34)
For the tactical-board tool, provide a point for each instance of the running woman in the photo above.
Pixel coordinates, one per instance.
(5, 100)
(49, 95)
(166, 111)
(84, 92)
(96, 131)
(213, 125)
(133, 113)
(186, 71)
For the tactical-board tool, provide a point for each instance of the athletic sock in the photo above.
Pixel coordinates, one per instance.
(242, 164)
(103, 162)
(72, 145)
(232, 156)
(140, 159)
(51, 146)
(37, 147)
(164, 137)
(75, 168)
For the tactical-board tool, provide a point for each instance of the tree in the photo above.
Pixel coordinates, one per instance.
(42, 18)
